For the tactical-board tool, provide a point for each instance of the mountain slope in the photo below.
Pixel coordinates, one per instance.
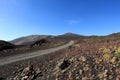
(28, 40)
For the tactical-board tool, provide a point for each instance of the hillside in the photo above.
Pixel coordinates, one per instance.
(27, 40)
(6, 45)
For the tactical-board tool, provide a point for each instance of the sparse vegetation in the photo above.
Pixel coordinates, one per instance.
(117, 54)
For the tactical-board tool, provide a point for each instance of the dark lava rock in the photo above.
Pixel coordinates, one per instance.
(39, 42)
(64, 64)
(1, 78)
(6, 45)
(28, 73)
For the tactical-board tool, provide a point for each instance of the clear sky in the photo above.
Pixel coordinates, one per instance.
(86, 17)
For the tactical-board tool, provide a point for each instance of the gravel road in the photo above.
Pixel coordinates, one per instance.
(19, 57)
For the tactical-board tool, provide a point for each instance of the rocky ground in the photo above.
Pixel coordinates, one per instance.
(82, 62)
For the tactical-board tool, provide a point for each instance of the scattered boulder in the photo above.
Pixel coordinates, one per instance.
(64, 64)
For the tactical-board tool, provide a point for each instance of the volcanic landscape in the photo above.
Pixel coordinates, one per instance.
(64, 57)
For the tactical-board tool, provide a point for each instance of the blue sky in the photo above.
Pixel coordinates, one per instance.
(86, 17)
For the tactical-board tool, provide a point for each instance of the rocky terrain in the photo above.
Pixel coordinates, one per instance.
(90, 58)
(92, 62)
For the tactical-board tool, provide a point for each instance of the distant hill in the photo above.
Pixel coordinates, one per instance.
(28, 40)
(114, 35)
(70, 35)
(6, 45)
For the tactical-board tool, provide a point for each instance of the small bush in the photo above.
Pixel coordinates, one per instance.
(117, 54)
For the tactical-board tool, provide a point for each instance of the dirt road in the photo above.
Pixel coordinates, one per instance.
(19, 57)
